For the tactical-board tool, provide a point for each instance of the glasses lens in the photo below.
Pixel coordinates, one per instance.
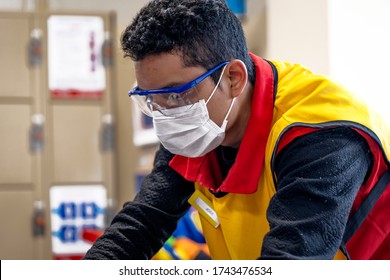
(142, 103)
(166, 101)
(174, 100)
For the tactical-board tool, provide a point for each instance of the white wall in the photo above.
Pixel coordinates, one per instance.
(359, 47)
(297, 31)
(346, 39)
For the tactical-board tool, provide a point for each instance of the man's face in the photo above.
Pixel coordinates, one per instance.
(167, 70)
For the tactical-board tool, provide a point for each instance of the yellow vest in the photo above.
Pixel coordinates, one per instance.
(302, 99)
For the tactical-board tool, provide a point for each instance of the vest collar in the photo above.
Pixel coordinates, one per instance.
(244, 175)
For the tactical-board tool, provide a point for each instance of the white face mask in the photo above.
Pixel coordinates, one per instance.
(190, 132)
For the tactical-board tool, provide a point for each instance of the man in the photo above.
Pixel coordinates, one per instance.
(281, 163)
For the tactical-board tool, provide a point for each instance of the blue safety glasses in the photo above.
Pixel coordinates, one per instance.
(170, 97)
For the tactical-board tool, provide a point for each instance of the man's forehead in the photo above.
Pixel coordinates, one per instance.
(164, 70)
(159, 60)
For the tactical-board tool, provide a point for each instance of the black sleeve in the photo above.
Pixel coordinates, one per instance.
(318, 177)
(140, 229)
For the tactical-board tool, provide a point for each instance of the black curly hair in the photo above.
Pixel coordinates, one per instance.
(204, 32)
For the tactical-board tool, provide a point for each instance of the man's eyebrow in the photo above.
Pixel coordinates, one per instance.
(171, 85)
(174, 85)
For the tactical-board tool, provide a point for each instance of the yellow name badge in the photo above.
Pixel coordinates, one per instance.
(204, 207)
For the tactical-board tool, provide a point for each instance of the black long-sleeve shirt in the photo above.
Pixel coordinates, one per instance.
(318, 177)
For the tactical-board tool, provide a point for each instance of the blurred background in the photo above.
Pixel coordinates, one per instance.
(73, 148)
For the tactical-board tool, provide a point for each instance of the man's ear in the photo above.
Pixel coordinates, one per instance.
(238, 76)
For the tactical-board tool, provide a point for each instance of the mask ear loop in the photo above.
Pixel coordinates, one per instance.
(234, 99)
(231, 105)
(215, 89)
(230, 108)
